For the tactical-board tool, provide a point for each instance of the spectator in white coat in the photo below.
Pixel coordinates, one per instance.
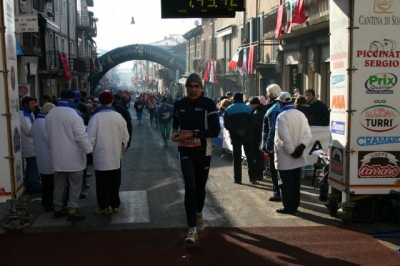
(109, 136)
(70, 149)
(292, 135)
(31, 178)
(43, 157)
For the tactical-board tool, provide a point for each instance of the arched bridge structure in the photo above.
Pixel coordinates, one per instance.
(137, 52)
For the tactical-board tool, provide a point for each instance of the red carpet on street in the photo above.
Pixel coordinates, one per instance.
(316, 245)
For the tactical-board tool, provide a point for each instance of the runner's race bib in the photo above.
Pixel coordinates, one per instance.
(190, 143)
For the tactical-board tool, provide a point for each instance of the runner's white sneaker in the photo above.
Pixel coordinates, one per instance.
(192, 235)
(199, 222)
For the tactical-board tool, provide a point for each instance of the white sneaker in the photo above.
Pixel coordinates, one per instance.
(192, 235)
(199, 222)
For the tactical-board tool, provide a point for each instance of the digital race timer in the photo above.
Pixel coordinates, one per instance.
(200, 8)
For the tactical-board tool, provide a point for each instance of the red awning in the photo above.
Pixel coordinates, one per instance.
(64, 61)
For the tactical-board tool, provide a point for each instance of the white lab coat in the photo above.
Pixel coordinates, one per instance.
(292, 129)
(109, 136)
(42, 147)
(26, 136)
(69, 143)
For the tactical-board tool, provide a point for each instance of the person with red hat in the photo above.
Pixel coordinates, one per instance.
(106, 131)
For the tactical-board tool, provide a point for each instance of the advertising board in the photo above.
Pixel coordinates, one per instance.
(11, 174)
(375, 129)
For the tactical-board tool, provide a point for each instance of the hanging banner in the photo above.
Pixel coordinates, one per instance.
(64, 61)
(11, 177)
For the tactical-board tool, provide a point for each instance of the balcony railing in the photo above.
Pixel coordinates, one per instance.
(30, 43)
(87, 22)
(313, 8)
(51, 61)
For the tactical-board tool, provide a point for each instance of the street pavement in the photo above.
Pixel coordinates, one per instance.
(152, 194)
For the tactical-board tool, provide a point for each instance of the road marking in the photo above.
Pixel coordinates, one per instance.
(133, 209)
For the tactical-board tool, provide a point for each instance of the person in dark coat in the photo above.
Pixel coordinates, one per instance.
(319, 113)
(301, 104)
(238, 121)
(125, 114)
(139, 106)
(258, 119)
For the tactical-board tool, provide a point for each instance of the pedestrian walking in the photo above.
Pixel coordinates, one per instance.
(150, 107)
(195, 122)
(70, 150)
(139, 106)
(292, 135)
(109, 136)
(165, 113)
(156, 106)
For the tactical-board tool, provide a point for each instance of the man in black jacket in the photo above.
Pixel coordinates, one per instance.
(125, 114)
(258, 119)
(195, 122)
(318, 112)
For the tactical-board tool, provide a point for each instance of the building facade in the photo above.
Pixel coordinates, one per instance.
(56, 39)
(276, 49)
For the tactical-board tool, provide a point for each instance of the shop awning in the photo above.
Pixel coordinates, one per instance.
(225, 31)
(48, 23)
(19, 49)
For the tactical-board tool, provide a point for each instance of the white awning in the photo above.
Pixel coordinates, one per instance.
(182, 81)
(225, 31)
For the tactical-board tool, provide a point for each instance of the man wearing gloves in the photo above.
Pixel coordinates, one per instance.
(292, 135)
(70, 148)
(109, 136)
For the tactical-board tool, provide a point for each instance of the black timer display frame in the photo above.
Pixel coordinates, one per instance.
(201, 8)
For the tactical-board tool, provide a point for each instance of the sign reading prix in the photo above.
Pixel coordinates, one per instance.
(201, 8)
(381, 83)
(379, 164)
(379, 118)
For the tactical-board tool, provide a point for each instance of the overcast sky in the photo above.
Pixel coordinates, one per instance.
(114, 28)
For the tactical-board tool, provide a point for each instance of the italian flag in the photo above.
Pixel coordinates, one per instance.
(234, 61)
(289, 14)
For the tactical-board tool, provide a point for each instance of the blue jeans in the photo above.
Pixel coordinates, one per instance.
(31, 179)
